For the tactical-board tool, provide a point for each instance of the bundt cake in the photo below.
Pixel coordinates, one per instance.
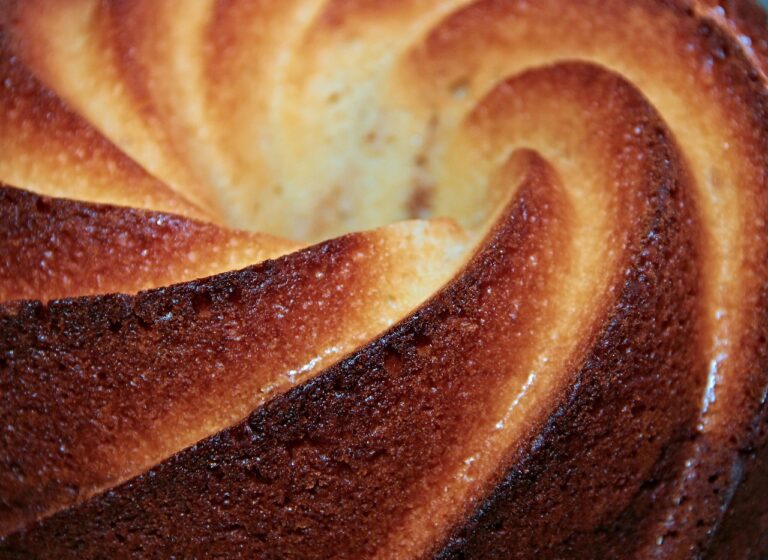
(383, 279)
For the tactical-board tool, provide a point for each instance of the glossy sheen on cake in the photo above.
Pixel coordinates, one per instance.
(556, 349)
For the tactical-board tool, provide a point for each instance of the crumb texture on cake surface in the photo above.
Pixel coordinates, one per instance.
(364, 279)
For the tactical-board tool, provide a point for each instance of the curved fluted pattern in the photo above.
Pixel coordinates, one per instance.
(572, 364)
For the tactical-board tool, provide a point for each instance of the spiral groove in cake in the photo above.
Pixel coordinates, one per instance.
(557, 348)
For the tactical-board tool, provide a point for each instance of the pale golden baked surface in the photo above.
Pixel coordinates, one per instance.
(352, 278)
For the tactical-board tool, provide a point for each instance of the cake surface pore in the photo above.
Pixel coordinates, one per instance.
(556, 348)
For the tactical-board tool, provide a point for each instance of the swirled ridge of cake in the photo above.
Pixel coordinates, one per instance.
(572, 363)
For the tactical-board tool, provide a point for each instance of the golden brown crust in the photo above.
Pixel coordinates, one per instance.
(99, 389)
(277, 458)
(81, 35)
(405, 474)
(587, 377)
(47, 148)
(746, 21)
(59, 248)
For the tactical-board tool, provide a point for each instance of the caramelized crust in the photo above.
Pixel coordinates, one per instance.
(346, 452)
(58, 248)
(573, 365)
(98, 389)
